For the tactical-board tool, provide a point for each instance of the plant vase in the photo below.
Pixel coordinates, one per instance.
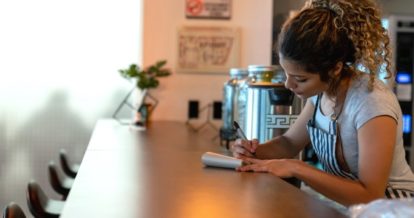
(145, 108)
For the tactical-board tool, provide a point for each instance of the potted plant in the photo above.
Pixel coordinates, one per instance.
(146, 79)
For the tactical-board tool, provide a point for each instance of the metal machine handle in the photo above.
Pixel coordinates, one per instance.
(281, 96)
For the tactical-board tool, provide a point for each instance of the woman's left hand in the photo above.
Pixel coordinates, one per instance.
(279, 167)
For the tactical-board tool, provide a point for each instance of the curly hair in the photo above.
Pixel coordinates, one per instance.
(325, 32)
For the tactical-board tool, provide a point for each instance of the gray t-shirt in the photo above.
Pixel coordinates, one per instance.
(360, 106)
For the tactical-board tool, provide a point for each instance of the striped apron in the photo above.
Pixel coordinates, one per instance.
(326, 145)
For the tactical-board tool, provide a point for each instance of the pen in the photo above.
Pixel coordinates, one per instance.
(241, 134)
(239, 131)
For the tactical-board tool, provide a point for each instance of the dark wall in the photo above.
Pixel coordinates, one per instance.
(281, 9)
(405, 7)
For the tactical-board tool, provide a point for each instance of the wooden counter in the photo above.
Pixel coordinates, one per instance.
(157, 173)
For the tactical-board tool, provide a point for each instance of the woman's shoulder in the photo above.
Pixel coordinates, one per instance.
(313, 99)
(380, 99)
(359, 88)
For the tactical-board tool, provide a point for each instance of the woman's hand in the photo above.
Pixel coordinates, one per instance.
(244, 148)
(282, 168)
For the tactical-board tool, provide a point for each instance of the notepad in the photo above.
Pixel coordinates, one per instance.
(212, 159)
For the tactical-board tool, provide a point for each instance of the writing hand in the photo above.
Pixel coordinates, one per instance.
(244, 148)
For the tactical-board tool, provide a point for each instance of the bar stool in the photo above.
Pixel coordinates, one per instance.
(40, 205)
(70, 169)
(60, 183)
(13, 210)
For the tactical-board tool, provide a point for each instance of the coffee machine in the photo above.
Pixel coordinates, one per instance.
(271, 108)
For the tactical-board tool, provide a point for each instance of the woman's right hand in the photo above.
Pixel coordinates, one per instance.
(244, 148)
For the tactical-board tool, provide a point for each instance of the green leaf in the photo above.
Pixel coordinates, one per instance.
(147, 78)
(163, 73)
(160, 64)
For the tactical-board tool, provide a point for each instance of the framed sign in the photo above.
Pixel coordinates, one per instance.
(208, 49)
(208, 9)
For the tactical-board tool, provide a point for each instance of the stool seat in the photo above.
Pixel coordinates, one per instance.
(40, 205)
(60, 183)
(13, 210)
(71, 169)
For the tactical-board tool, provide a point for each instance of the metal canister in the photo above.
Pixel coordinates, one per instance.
(231, 92)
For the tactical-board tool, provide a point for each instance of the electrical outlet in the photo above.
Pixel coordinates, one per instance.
(217, 110)
(193, 109)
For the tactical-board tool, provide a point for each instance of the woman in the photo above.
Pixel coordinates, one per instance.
(332, 53)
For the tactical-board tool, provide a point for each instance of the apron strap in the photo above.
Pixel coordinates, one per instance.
(334, 127)
(315, 110)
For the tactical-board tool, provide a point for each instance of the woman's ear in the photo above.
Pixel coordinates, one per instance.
(337, 69)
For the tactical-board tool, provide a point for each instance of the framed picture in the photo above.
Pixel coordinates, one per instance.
(208, 9)
(208, 49)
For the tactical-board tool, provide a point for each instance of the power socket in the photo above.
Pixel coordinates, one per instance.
(217, 110)
(193, 109)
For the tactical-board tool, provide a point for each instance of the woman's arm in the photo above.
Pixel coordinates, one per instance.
(376, 140)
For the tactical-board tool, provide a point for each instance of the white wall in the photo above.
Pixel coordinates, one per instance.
(161, 21)
(59, 64)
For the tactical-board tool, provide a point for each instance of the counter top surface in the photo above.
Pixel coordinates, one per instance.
(158, 172)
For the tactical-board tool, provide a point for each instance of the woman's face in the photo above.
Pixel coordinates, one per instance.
(302, 83)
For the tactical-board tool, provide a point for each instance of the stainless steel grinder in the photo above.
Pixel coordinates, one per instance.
(271, 109)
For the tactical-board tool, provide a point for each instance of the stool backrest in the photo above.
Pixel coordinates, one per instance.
(13, 210)
(36, 199)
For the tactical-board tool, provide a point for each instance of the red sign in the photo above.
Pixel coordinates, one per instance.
(194, 7)
(213, 9)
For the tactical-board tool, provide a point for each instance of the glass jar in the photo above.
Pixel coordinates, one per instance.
(262, 73)
(279, 74)
(231, 92)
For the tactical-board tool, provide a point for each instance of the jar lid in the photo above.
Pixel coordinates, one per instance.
(261, 68)
(265, 85)
(238, 72)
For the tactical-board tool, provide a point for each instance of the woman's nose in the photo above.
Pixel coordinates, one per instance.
(289, 84)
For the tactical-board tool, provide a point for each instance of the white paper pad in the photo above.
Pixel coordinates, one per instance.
(218, 160)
